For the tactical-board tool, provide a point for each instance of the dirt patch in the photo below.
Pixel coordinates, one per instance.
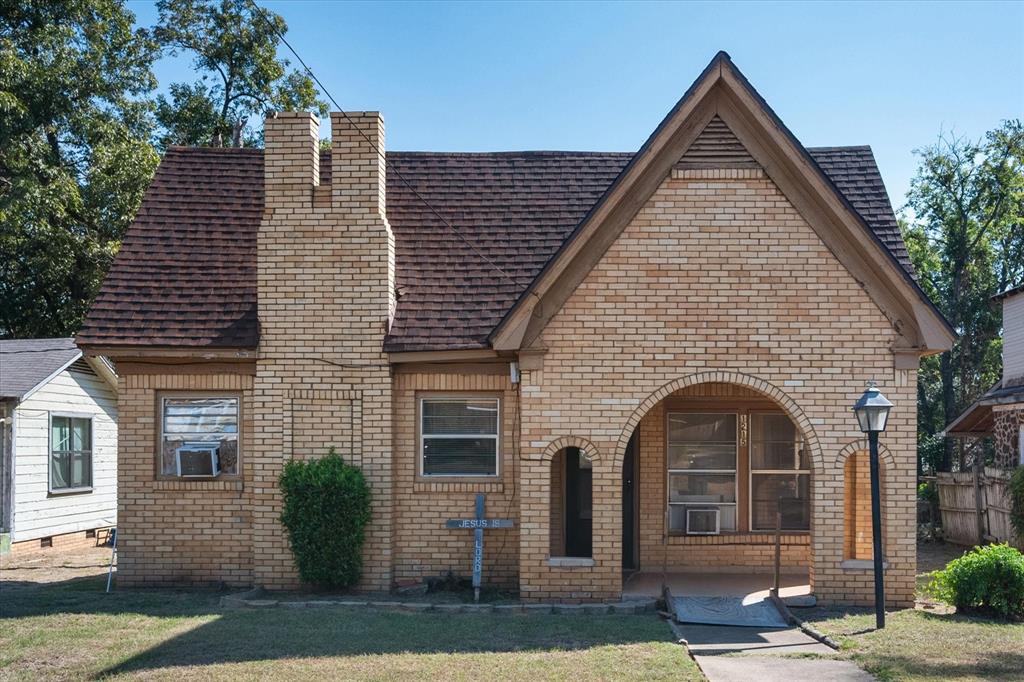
(41, 568)
(933, 556)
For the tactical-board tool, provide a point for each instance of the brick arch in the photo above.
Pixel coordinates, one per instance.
(559, 444)
(861, 445)
(749, 381)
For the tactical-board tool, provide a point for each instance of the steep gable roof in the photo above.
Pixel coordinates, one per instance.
(723, 99)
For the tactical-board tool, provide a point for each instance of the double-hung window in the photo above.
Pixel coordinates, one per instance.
(780, 473)
(702, 452)
(459, 436)
(196, 422)
(70, 453)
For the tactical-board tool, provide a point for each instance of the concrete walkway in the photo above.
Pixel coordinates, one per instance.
(739, 654)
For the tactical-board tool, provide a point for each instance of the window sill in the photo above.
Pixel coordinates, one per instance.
(458, 485)
(570, 562)
(69, 491)
(198, 484)
(798, 537)
(861, 565)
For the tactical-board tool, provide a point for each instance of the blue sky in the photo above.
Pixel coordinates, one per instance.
(601, 76)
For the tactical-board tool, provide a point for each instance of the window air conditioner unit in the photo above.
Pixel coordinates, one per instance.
(702, 522)
(198, 460)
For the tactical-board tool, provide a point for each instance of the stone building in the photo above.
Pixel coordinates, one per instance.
(634, 356)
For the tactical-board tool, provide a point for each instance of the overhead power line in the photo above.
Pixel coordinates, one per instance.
(380, 152)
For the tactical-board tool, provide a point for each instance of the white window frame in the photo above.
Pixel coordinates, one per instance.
(49, 453)
(467, 436)
(735, 471)
(173, 395)
(787, 472)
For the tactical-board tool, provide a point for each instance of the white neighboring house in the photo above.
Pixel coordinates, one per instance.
(58, 445)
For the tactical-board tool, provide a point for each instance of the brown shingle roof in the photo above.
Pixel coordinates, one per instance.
(186, 272)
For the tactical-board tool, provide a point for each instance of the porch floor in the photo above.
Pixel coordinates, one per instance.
(751, 586)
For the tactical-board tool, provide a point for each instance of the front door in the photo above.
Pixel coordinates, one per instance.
(578, 504)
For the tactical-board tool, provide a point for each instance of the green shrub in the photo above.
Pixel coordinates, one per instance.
(325, 511)
(1016, 494)
(987, 580)
(929, 492)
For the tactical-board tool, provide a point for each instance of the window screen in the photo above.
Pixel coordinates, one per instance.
(200, 420)
(701, 466)
(780, 476)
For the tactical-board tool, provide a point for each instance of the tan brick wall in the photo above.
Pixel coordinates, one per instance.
(180, 532)
(717, 278)
(325, 283)
(422, 546)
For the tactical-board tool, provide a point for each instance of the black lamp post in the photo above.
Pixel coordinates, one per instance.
(872, 410)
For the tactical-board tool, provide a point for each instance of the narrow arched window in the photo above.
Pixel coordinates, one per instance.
(571, 504)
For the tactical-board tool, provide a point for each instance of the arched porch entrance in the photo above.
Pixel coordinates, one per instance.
(710, 465)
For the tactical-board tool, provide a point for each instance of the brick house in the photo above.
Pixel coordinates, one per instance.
(635, 356)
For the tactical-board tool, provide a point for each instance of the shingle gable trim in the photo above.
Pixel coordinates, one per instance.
(722, 91)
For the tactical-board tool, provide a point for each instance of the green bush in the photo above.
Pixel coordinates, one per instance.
(929, 492)
(1016, 493)
(987, 580)
(325, 511)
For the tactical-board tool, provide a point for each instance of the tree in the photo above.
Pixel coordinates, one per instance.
(234, 44)
(74, 154)
(966, 240)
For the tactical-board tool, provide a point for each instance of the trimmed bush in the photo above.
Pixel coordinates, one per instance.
(987, 580)
(1016, 495)
(325, 511)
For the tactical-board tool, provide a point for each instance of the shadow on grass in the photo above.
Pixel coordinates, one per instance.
(242, 635)
(331, 632)
(995, 666)
(87, 595)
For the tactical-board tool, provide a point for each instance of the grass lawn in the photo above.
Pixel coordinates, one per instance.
(931, 642)
(71, 630)
(920, 645)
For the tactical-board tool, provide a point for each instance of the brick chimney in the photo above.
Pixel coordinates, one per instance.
(339, 229)
(291, 166)
(325, 273)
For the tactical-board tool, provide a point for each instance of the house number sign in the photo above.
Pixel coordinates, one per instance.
(478, 525)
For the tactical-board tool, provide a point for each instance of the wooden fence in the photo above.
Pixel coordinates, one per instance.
(975, 507)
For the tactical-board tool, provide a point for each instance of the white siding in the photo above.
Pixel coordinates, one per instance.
(37, 513)
(1013, 336)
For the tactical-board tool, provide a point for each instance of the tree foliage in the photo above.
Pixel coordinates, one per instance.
(234, 48)
(78, 127)
(966, 240)
(74, 154)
